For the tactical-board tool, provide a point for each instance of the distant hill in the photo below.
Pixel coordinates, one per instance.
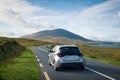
(56, 33)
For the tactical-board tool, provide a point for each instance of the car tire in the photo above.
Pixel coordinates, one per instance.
(56, 69)
(82, 67)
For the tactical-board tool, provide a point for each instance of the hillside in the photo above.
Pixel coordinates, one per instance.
(62, 40)
(56, 33)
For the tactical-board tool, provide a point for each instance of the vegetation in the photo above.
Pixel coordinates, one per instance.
(9, 48)
(105, 54)
(23, 67)
(30, 42)
(18, 62)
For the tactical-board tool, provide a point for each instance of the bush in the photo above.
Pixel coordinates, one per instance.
(9, 49)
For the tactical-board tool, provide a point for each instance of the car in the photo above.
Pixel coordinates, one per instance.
(66, 56)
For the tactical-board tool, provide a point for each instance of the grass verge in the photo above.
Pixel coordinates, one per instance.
(117, 63)
(23, 67)
(103, 54)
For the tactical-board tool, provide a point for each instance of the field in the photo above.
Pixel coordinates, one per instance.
(17, 62)
(104, 54)
(23, 67)
(21, 64)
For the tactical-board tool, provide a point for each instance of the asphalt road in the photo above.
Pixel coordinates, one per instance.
(94, 70)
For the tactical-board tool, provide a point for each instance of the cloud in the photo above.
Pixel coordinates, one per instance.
(19, 14)
(119, 13)
(99, 22)
(101, 8)
(8, 33)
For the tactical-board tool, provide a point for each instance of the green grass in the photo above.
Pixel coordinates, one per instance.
(20, 67)
(24, 67)
(103, 54)
(110, 62)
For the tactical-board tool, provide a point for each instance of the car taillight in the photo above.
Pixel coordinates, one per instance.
(59, 55)
(61, 65)
(81, 54)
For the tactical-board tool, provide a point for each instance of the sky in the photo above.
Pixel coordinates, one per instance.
(92, 19)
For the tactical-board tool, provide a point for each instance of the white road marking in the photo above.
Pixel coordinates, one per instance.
(100, 73)
(40, 65)
(36, 56)
(38, 60)
(46, 76)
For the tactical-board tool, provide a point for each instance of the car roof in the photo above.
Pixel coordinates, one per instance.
(66, 46)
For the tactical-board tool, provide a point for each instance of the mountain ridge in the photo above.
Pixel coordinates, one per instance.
(56, 33)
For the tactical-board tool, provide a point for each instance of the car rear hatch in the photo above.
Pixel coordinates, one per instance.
(71, 58)
(70, 53)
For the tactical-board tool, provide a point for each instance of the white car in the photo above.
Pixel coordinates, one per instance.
(66, 55)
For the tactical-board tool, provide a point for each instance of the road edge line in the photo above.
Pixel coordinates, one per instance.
(100, 73)
(46, 76)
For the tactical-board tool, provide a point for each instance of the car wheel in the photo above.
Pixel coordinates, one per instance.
(82, 67)
(56, 69)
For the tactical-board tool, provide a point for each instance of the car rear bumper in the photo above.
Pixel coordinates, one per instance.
(71, 64)
(62, 63)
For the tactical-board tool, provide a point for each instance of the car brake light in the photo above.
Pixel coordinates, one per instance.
(59, 55)
(61, 66)
(81, 54)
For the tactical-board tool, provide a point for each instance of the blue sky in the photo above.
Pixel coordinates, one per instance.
(92, 19)
(65, 6)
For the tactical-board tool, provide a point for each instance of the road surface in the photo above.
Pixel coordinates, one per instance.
(94, 70)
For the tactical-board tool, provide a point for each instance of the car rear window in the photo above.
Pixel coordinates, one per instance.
(69, 51)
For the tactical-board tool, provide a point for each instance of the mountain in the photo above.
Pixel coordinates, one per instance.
(56, 33)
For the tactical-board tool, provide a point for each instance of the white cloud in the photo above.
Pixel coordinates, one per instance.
(8, 33)
(19, 14)
(101, 8)
(119, 13)
(98, 22)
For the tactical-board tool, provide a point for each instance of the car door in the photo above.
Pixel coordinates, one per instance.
(53, 54)
(50, 56)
